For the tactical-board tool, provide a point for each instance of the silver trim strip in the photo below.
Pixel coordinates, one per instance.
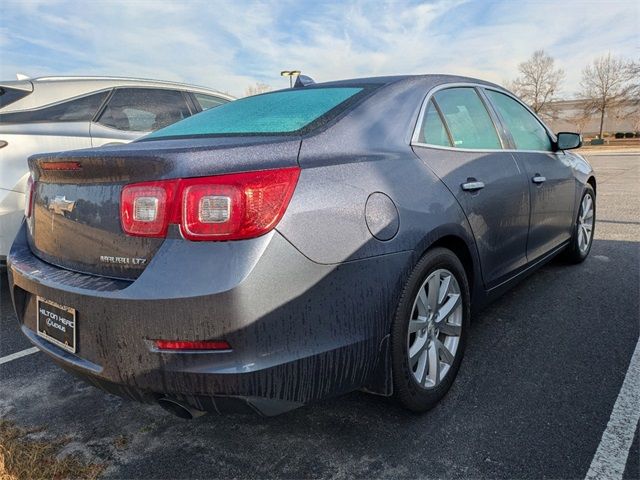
(483, 150)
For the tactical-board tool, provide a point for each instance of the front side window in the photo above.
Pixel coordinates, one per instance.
(208, 101)
(78, 110)
(433, 131)
(467, 119)
(144, 109)
(526, 130)
(282, 112)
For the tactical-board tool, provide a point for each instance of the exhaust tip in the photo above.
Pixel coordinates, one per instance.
(179, 409)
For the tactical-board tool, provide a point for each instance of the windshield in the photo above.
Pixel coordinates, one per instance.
(280, 112)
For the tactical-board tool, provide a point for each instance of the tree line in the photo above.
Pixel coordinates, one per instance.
(608, 82)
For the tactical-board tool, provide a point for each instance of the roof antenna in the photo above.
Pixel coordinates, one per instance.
(22, 76)
(303, 81)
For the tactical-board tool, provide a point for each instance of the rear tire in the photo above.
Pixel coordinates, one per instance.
(429, 331)
(583, 229)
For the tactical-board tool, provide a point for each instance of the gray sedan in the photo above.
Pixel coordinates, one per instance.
(296, 245)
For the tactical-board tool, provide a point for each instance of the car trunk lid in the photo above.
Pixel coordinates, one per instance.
(75, 222)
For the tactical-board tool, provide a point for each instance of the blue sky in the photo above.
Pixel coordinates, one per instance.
(231, 44)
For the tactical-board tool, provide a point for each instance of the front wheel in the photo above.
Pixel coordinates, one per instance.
(429, 331)
(583, 229)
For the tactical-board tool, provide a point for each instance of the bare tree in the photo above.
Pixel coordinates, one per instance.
(580, 119)
(633, 94)
(538, 82)
(605, 85)
(633, 90)
(256, 89)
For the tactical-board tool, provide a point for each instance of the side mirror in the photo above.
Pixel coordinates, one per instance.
(568, 140)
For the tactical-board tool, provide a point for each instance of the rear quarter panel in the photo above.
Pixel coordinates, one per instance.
(326, 217)
(369, 151)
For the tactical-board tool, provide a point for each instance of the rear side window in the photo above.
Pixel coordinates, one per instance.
(208, 101)
(10, 95)
(526, 130)
(282, 112)
(467, 119)
(77, 110)
(433, 130)
(144, 109)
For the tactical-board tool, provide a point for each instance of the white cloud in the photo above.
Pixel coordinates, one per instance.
(229, 45)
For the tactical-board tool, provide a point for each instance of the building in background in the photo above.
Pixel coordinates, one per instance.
(570, 116)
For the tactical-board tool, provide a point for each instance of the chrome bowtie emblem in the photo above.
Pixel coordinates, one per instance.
(60, 204)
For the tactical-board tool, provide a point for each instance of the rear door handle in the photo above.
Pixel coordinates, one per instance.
(472, 186)
(538, 178)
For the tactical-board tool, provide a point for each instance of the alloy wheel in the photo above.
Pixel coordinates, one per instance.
(585, 223)
(435, 328)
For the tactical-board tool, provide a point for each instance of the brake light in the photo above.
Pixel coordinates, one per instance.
(60, 166)
(177, 345)
(28, 194)
(223, 207)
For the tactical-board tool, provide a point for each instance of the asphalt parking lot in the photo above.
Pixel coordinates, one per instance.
(542, 373)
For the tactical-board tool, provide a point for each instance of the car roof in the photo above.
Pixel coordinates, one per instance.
(432, 78)
(49, 90)
(115, 81)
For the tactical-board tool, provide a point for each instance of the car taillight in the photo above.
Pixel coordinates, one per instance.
(28, 197)
(223, 207)
(145, 208)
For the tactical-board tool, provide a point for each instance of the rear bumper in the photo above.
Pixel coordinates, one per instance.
(300, 331)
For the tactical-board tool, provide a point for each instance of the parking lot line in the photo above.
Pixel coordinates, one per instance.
(611, 457)
(21, 353)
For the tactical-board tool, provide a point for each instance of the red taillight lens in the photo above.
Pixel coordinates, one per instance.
(145, 208)
(176, 345)
(240, 205)
(211, 211)
(224, 207)
(28, 197)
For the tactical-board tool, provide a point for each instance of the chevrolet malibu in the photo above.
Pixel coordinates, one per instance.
(296, 245)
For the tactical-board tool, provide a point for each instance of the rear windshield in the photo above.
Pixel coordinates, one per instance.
(283, 112)
(10, 95)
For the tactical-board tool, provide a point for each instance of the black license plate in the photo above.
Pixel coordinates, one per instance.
(57, 324)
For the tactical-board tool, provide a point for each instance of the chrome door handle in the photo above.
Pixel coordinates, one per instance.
(538, 178)
(472, 186)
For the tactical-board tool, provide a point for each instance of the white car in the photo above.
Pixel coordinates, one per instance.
(63, 113)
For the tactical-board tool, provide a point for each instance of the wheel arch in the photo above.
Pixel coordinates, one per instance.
(459, 247)
(457, 240)
(592, 181)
